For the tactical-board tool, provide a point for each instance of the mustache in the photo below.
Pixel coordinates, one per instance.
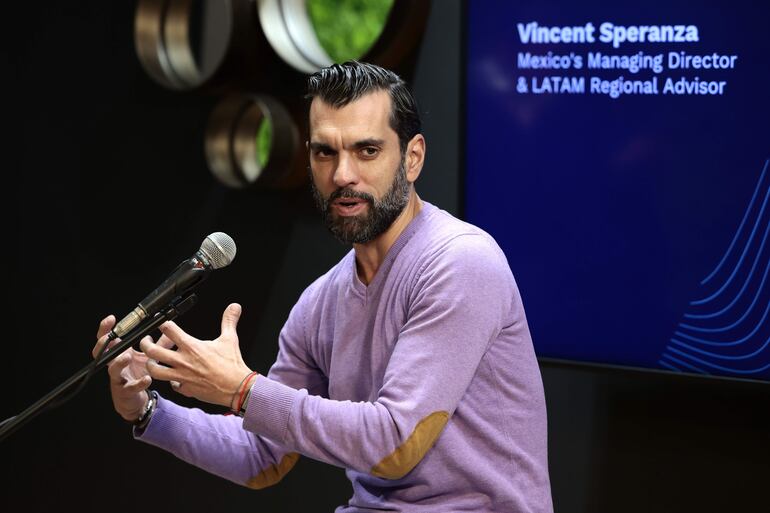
(349, 193)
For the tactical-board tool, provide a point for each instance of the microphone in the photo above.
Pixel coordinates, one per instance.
(216, 251)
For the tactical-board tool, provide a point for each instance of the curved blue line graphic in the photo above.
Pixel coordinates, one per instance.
(742, 317)
(740, 260)
(732, 342)
(670, 367)
(743, 289)
(695, 344)
(740, 228)
(722, 356)
(684, 364)
(721, 367)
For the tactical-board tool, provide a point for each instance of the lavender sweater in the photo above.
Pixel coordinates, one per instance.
(423, 385)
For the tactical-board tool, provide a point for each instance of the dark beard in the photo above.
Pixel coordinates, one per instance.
(365, 227)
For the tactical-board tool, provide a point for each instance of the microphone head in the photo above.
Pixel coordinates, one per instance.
(219, 248)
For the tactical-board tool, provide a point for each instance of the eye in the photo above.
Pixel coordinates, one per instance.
(370, 151)
(324, 153)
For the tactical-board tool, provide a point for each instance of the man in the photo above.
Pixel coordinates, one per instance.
(409, 363)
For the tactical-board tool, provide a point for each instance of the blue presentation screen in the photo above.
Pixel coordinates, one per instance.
(619, 155)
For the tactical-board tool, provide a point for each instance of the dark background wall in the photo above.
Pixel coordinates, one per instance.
(110, 191)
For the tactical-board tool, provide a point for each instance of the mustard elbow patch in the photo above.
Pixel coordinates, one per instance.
(273, 473)
(398, 463)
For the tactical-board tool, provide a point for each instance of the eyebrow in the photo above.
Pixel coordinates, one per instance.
(363, 143)
(368, 142)
(316, 146)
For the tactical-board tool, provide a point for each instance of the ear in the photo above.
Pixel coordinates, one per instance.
(415, 157)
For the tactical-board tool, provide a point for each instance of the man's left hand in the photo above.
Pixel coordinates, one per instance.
(208, 370)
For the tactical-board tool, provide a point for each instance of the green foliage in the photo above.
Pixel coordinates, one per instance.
(264, 141)
(347, 29)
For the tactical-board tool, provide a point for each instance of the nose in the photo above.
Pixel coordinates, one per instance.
(346, 172)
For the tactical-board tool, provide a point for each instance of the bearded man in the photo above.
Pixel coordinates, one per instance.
(409, 363)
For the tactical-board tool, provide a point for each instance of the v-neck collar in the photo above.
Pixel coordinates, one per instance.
(414, 225)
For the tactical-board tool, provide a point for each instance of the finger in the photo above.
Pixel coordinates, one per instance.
(186, 389)
(136, 356)
(161, 354)
(147, 339)
(176, 334)
(97, 349)
(116, 366)
(230, 318)
(164, 341)
(137, 385)
(105, 326)
(161, 373)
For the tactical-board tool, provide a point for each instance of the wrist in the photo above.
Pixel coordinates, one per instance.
(149, 408)
(240, 396)
(244, 403)
(133, 414)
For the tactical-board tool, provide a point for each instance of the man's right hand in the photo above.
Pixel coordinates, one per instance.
(129, 379)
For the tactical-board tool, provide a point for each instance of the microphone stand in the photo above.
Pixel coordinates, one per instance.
(177, 307)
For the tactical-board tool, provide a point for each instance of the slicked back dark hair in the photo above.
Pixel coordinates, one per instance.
(341, 84)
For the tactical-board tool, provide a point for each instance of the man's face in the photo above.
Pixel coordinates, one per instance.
(358, 175)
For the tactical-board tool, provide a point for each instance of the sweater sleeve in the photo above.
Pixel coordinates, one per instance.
(218, 443)
(458, 304)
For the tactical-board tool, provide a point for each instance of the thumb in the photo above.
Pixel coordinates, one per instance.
(230, 318)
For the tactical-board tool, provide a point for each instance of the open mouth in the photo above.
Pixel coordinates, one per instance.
(349, 206)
